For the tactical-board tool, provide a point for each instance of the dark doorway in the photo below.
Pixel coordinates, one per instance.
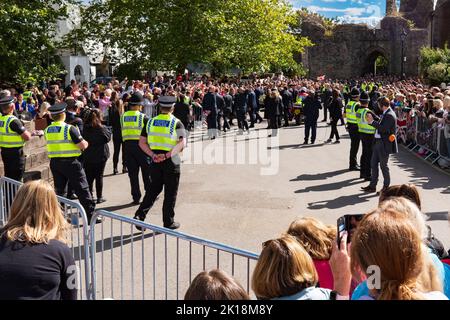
(376, 64)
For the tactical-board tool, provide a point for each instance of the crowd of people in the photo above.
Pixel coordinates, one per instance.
(148, 120)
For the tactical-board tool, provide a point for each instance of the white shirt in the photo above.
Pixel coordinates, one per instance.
(377, 134)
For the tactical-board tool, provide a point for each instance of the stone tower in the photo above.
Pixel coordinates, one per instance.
(417, 11)
(391, 8)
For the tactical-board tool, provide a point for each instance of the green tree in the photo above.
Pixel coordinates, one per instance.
(28, 45)
(252, 35)
(435, 64)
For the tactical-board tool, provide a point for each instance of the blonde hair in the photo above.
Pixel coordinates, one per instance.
(388, 239)
(410, 209)
(36, 215)
(284, 268)
(428, 279)
(315, 237)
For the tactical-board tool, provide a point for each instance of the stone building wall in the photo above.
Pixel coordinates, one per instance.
(350, 49)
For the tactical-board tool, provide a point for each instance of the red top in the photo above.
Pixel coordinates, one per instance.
(325, 275)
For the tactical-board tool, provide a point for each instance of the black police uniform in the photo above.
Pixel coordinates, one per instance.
(136, 159)
(13, 158)
(165, 175)
(70, 170)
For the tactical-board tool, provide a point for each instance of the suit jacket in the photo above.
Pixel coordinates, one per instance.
(387, 126)
(210, 103)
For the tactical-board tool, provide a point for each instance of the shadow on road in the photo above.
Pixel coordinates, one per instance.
(422, 174)
(341, 202)
(119, 207)
(331, 186)
(437, 216)
(319, 176)
(114, 242)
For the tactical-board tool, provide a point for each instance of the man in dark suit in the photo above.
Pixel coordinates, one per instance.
(312, 106)
(385, 143)
(210, 105)
(288, 103)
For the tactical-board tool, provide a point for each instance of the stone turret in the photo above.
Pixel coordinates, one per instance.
(417, 11)
(391, 8)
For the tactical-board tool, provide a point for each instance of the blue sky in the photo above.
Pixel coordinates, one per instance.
(356, 11)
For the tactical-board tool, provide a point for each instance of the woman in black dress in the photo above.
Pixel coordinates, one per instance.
(97, 154)
(115, 112)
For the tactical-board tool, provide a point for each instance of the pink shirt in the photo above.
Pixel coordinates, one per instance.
(325, 275)
(103, 104)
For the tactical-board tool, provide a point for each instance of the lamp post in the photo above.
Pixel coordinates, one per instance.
(403, 36)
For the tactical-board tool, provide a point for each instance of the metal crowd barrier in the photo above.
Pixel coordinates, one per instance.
(429, 138)
(157, 263)
(78, 234)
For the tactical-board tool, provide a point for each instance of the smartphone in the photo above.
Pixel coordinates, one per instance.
(348, 223)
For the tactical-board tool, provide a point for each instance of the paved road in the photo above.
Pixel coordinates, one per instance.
(235, 204)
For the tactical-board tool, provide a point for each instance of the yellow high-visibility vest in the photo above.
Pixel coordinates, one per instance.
(363, 125)
(350, 112)
(59, 141)
(162, 133)
(132, 123)
(9, 138)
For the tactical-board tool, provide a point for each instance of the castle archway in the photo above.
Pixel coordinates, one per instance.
(376, 63)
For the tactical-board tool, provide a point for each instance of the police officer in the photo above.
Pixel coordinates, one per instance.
(366, 133)
(13, 136)
(64, 146)
(163, 139)
(132, 122)
(352, 126)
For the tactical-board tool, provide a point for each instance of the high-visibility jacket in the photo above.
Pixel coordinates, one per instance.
(350, 112)
(26, 95)
(9, 138)
(162, 133)
(59, 141)
(132, 123)
(299, 100)
(363, 125)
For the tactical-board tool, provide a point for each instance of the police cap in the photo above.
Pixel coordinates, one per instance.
(6, 101)
(58, 108)
(167, 101)
(136, 99)
(355, 93)
(364, 97)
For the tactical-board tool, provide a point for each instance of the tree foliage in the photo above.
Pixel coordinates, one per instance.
(28, 28)
(435, 64)
(252, 35)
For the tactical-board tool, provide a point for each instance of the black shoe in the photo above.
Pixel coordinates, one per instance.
(136, 202)
(305, 143)
(173, 226)
(357, 168)
(313, 142)
(115, 172)
(337, 142)
(368, 179)
(329, 141)
(252, 126)
(369, 189)
(101, 200)
(140, 218)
